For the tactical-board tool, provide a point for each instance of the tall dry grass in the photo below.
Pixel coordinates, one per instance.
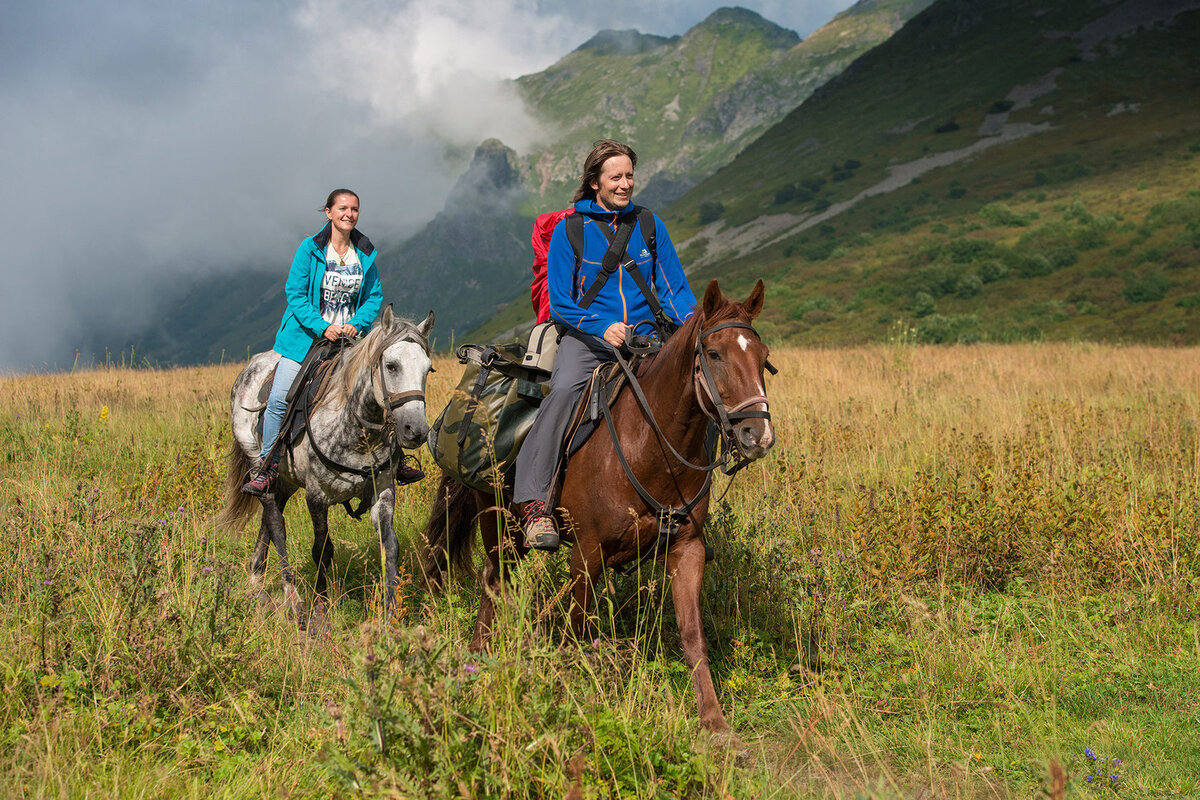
(957, 568)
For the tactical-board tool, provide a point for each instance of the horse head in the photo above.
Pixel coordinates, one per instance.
(402, 366)
(730, 359)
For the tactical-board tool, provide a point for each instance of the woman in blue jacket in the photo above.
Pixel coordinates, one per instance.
(603, 199)
(332, 291)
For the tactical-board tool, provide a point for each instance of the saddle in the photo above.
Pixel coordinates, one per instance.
(301, 397)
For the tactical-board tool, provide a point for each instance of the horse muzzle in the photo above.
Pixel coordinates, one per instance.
(754, 437)
(408, 414)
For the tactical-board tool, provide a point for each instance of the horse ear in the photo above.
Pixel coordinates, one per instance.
(387, 317)
(427, 326)
(712, 298)
(754, 302)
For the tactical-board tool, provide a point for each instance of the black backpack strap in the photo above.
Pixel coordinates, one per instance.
(649, 229)
(613, 257)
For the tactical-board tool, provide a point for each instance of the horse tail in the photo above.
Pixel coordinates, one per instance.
(448, 533)
(239, 508)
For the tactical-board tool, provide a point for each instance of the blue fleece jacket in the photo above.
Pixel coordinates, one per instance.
(620, 300)
(302, 321)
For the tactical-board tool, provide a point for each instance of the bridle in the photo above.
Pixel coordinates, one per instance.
(388, 402)
(725, 416)
(671, 518)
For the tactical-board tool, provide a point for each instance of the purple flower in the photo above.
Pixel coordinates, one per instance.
(1090, 778)
(207, 570)
(470, 668)
(47, 582)
(1112, 778)
(1117, 762)
(1087, 751)
(203, 539)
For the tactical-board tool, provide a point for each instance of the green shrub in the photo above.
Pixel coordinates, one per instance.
(1146, 288)
(946, 127)
(993, 270)
(949, 329)
(711, 211)
(923, 304)
(969, 285)
(1001, 214)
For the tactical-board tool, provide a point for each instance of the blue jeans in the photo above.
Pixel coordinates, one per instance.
(285, 375)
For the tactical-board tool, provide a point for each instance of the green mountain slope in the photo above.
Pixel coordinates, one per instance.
(994, 171)
(688, 104)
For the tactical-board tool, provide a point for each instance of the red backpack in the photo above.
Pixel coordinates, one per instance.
(543, 229)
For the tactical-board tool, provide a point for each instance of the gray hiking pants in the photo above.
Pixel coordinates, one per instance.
(578, 355)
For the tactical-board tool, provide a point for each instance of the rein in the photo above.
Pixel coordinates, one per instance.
(387, 401)
(671, 518)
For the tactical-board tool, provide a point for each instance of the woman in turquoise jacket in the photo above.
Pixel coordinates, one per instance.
(332, 292)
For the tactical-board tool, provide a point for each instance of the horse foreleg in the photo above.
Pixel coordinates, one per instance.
(685, 561)
(491, 583)
(273, 506)
(585, 569)
(322, 555)
(381, 515)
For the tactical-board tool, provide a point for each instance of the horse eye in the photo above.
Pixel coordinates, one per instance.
(391, 368)
(714, 355)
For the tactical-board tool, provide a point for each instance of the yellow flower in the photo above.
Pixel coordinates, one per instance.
(104, 413)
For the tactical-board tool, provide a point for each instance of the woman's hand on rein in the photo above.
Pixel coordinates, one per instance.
(335, 332)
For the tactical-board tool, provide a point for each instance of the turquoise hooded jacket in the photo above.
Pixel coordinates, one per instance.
(302, 321)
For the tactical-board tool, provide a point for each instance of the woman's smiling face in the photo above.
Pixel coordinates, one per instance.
(344, 212)
(614, 189)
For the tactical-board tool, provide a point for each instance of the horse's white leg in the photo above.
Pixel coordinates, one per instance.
(322, 554)
(381, 515)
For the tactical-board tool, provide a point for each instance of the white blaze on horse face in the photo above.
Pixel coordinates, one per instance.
(743, 342)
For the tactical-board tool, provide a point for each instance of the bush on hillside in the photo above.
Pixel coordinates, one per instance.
(949, 329)
(969, 285)
(923, 305)
(1146, 288)
(1001, 214)
(993, 270)
(711, 211)
(947, 127)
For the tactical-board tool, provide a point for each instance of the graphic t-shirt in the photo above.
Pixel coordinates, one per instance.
(340, 286)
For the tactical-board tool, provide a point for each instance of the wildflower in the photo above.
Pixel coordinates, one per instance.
(103, 413)
(1117, 762)
(207, 570)
(203, 539)
(1090, 778)
(47, 582)
(1087, 751)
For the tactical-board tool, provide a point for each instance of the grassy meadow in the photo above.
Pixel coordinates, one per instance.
(963, 572)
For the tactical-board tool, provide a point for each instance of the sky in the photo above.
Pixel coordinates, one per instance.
(145, 143)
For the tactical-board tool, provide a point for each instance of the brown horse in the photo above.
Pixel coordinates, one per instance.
(710, 369)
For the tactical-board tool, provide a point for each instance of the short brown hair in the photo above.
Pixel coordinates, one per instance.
(602, 150)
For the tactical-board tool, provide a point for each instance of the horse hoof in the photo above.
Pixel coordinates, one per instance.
(318, 626)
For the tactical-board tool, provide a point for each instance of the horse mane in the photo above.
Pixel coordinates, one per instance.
(685, 338)
(364, 354)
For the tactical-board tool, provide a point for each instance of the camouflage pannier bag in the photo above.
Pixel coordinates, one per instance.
(476, 437)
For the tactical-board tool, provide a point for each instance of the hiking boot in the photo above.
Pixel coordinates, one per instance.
(409, 470)
(263, 481)
(540, 533)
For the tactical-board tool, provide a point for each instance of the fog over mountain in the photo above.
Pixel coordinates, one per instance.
(144, 143)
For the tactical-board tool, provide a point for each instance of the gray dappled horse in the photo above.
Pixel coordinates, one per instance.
(371, 405)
